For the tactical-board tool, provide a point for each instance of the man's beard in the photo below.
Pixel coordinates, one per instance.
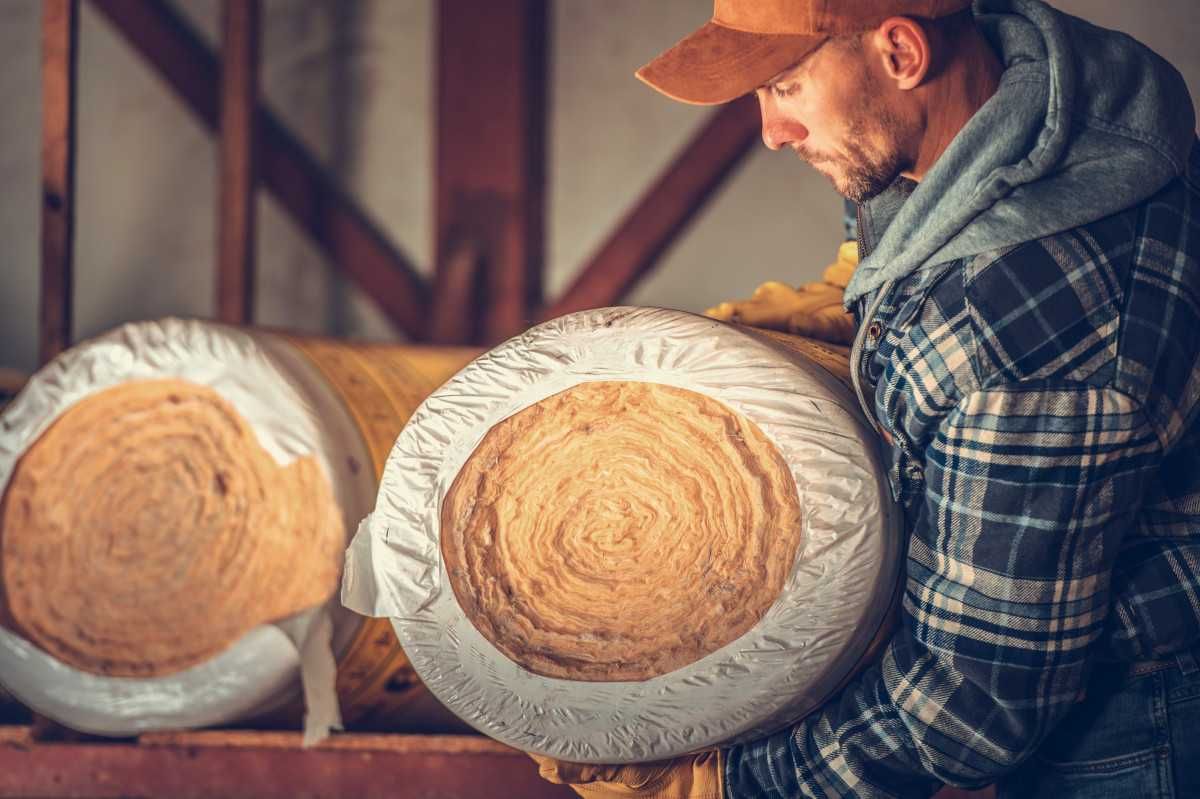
(871, 161)
(859, 180)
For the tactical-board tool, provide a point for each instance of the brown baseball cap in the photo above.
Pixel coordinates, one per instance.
(748, 42)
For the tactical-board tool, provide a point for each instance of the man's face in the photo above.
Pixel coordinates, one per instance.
(832, 110)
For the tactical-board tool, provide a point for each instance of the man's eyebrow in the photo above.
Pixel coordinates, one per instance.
(781, 75)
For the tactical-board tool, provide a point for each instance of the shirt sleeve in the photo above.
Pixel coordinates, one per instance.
(1029, 489)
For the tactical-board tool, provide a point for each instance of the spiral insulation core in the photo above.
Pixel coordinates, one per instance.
(619, 530)
(147, 529)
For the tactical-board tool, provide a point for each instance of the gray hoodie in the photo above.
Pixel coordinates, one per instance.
(1086, 122)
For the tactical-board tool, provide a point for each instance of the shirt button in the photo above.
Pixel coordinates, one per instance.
(874, 330)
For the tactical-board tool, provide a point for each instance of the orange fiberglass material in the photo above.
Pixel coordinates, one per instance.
(644, 526)
(177, 501)
(143, 532)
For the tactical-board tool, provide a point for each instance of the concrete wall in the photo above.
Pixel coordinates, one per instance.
(353, 79)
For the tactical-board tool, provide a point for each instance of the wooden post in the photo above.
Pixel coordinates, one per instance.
(663, 212)
(457, 292)
(238, 170)
(60, 48)
(490, 162)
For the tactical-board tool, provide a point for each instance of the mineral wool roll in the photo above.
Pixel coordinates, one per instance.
(176, 497)
(632, 533)
(143, 532)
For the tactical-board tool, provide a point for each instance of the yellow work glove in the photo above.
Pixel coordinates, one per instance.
(813, 310)
(689, 777)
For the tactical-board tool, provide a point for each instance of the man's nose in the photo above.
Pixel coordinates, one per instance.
(777, 130)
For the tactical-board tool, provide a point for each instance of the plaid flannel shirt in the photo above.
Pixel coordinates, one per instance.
(1041, 405)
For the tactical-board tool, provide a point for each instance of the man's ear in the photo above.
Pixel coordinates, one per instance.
(904, 49)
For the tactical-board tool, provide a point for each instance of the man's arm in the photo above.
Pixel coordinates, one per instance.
(1029, 490)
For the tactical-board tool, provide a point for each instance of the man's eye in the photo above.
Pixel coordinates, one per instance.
(780, 90)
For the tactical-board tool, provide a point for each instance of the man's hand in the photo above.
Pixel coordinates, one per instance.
(813, 310)
(689, 777)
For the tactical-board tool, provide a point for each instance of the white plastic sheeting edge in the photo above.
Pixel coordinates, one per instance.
(293, 415)
(831, 606)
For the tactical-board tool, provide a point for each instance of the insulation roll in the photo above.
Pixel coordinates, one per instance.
(142, 533)
(381, 386)
(628, 534)
(176, 501)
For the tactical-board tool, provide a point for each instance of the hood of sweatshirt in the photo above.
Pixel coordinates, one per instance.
(1086, 122)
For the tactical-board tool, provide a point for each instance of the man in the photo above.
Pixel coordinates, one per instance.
(1028, 303)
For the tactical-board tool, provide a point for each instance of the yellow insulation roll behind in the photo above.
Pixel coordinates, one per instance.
(177, 496)
(381, 386)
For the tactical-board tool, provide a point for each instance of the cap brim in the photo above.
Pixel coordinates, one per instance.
(718, 64)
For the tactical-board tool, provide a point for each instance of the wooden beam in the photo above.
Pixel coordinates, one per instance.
(302, 187)
(240, 21)
(268, 766)
(490, 171)
(663, 212)
(456, 293)
(60, 48)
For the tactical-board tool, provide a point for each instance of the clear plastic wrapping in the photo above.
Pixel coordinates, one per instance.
(831, 606)
(293, 414)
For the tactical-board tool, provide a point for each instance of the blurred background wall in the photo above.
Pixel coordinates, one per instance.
(353, 79)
